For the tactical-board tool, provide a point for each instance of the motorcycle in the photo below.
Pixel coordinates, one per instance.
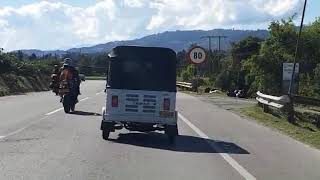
(54, 85)
(68, 96)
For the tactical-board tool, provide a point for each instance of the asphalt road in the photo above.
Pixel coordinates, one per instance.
(39, 141)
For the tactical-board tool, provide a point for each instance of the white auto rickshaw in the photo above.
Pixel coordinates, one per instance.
(141, 91)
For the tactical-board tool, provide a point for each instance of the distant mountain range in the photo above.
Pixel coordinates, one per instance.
(176, 40)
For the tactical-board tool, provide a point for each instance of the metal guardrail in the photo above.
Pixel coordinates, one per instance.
(306, 100)
(274, 101)
(185, 85)
(285, 104)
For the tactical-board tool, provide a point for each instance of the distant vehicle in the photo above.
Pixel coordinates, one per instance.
(82, 77)
(141, 91)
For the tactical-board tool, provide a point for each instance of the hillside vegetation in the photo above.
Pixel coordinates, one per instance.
(19, 74)
(176, 40)
(256, 64)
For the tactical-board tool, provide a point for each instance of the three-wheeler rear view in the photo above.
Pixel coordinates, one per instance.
(141, 91)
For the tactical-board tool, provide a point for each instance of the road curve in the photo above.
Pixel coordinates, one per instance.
(39, 141)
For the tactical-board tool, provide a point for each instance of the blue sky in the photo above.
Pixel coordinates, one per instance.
(313, 10)
(63, 24)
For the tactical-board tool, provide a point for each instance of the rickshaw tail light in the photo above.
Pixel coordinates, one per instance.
(114, 101)
(166, 104)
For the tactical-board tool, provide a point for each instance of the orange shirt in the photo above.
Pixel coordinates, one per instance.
(66, 75)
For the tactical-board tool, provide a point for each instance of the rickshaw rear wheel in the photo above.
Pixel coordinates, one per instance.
(172, 132)
(105, 134)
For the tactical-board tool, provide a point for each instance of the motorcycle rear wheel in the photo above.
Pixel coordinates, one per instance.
(73, 107)
(66, 108)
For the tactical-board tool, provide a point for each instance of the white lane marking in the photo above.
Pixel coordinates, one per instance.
(57, 110)
(241, 170)
(84, 99)
(52, 112)
(21, 129)
(98, 93)
(47, 115)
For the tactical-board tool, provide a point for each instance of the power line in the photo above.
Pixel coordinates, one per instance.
(214, 37)
(219, 37)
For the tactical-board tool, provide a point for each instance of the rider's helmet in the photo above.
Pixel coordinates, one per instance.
(68, 62)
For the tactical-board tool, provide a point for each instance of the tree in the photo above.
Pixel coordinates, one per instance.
(317, 79)
(101, 63)
(33, 57)
(188, 73)
(181, 61)
(245, 49)
(85, 65)
(20, 56)
(263, 71)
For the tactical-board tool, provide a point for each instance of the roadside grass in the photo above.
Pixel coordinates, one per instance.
(303, 130)
(95, 78)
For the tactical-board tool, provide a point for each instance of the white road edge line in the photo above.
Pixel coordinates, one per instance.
(1, 137)
(241, 170)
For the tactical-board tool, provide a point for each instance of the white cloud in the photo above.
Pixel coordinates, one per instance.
(206, 14)
(53, 24)
(135, 3)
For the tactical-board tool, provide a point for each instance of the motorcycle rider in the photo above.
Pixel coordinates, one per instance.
(54, 85)
(70, 74)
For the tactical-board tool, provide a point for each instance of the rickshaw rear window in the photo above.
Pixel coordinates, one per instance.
(143, 71)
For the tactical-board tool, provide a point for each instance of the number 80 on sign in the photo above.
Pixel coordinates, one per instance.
(196, 55)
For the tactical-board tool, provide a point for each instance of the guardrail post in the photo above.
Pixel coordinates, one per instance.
(318, 122)
(265, 108)
(290, 109)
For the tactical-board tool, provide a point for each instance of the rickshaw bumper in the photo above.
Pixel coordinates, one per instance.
(110, 120)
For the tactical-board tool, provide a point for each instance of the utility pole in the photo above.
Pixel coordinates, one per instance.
(219, 45)
(291, 110)
(209, 38)
(297, 48)
(214, 37)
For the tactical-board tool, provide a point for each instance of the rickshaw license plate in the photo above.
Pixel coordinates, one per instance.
(166, 114)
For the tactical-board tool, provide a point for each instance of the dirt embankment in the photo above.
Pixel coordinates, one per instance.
(14, 84)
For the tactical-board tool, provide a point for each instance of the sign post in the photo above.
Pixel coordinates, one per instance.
(196, 55)
(287, 72)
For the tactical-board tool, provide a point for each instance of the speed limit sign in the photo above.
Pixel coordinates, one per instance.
(197, 55)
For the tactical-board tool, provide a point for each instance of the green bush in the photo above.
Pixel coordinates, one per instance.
(188, 73)
(317, 80)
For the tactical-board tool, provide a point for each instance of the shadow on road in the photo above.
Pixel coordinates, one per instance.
(183, 143)
(82, 113)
